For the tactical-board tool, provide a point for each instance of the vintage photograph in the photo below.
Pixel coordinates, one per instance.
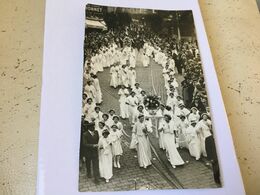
(146, 121)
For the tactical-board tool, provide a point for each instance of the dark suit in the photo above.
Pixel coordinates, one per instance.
(91, 152)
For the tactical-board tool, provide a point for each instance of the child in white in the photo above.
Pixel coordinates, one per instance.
(117, 151)
(105, 156)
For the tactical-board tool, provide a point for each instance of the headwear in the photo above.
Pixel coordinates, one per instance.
(105, 131)
(111, 110)
(140, 116)
(112, 126)
(90, 126)
(115, 117)
(194, 108)
(140, 106)
(204, 114)
(193, 122)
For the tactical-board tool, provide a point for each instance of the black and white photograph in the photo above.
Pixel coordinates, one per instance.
(146, 121)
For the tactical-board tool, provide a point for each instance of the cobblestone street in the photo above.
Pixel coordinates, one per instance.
(161, 175)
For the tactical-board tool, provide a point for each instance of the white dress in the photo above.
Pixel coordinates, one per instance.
(132, 77)
(122, 102)
(143, 145)
(203, 129)
(132, 103)
(193, 142)
(98, 93)
(114, 77)
(105, 158)
(115, 137)
(169, 142)
(182, 125)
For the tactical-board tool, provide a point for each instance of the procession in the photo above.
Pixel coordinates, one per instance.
(177, 117)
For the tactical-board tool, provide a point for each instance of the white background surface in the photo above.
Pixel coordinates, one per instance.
(61, 99)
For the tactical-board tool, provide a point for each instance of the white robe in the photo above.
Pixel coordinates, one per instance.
(122, 101)
(98, 93)
(193, 142)
(105, 158)
(143, 145)
(169, 143)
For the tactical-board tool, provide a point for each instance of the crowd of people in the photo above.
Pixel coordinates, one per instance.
(182, 121)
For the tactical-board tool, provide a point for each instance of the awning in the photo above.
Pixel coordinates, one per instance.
(96, 24)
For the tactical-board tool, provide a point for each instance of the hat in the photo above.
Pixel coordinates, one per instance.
(90, 126)
(140, 106)
(181, 104)
(194, 108)
(204, 114)
(105, 131)
(140, 116)
(111, 110)
(114, 126)
(193, 122)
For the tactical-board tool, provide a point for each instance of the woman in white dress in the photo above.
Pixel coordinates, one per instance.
(98, 93)
(182, 125)
(146, 60)
(105, 156)
(90, 90)
(193, 140)
(88, 109)
(97, 116)
(123, 93)
(194, 115)
(132, 102)
(168, 128)
(132, 76)
(204, 130)
(159, 116)
(142, 142)
(117, 151)
(114, 76)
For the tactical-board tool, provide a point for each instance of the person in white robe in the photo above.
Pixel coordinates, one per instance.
(182, 125)
(141, 97)
(90, 90)
(132, 102)
(142, 142)
(105, 120)
(203, 129)
(159, 116)
(111, 114)
(97, 116)
(194, 115)
(117, 151)
(137, 89)
(193, 140)
(98, 93)
(105, 156)
(146, 60)
(181, 110)
(101, 127)
(123, 93)
(114, 76)
(168, 128)
(171, 100)
(132, 59)
(124, 76)
(131, 76)
(88, 109)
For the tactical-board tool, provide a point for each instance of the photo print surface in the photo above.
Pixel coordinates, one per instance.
(146, 121)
